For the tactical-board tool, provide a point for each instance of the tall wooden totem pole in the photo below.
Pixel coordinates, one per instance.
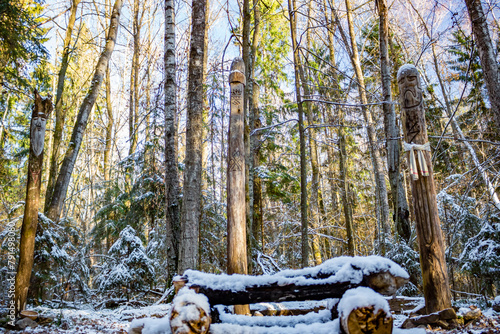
(432, 260)
(41, 111)
(236, 218)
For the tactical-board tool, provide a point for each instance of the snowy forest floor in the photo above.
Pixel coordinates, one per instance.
(86, 319)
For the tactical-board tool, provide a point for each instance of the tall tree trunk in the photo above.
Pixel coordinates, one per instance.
(59, 112)
(191, 207)
(399, 202)
(41, 111)
(432, 260)
(109, 128)
(313, 152)
(171, 159)
(64, 177)
(133, 115)
(381, 189)
(257, 222)
(254, 217)
(487, 55)
(303, 171)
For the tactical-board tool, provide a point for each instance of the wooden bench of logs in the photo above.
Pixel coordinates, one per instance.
(359, 283)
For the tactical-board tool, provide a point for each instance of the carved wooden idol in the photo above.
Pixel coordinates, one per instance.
(236, 218)
(432, 261)
(41, 111)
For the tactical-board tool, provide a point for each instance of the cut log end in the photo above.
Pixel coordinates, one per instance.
(385, 283)
(179, 283)
(364, 320)
(189, 318)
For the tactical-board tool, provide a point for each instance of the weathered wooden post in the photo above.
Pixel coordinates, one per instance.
(41, 111)
(236, 219)
(432, 261)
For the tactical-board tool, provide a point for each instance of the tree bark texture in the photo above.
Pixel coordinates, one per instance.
(486, 55)
(191, 208)
(380, 186)
(171, 145)
(41, 111)
(133, 117)
(432, 260)
(109, 128)
(61, 187)
(253, 108)
(257, 221)
(302, 140)
(59, 112)
(247, 107)
(401, 212)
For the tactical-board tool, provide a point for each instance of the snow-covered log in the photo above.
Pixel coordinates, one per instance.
(362, 310)
(328, 280)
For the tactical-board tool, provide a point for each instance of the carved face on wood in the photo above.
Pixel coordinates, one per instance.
(409, 83)
(38, 124)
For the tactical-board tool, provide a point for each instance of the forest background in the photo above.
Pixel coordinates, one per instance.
(119, 233)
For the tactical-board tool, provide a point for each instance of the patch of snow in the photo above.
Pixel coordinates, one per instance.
(405, 67)
(188, 296)
(152, 325)
(268, 321)
(301, 305)
(362, 297)
(317, 328)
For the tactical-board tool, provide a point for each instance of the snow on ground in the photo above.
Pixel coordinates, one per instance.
(87, 320)
(155, 320)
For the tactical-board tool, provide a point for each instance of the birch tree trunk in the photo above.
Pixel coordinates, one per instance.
(59, 112)
(61, 187)
(41, 111)
(302, 141)
(381, 189)
(486, 55)
(171, 159)
(109, 128)
(133, 116)
(191, 207)
(399, 201)
(430, 239)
